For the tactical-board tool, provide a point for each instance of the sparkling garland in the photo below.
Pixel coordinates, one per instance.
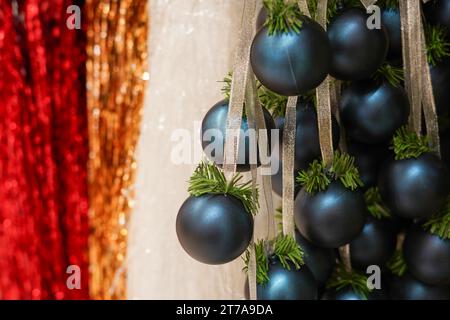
(116, 80)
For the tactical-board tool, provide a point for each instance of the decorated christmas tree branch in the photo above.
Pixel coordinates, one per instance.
(209, 179)
(438, 46)
(282, 17)
(284, 248)
(408, 144)
(319, 176)
(440, 224)
(392, 74)
(342, 278)
(375, 204)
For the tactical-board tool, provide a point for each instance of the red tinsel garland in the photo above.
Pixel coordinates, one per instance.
(43, 151)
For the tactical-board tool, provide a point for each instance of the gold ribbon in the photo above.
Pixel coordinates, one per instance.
(417, 73)
(116, 80)
(238, 91)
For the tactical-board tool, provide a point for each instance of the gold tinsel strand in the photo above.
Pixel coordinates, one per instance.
(116, 80)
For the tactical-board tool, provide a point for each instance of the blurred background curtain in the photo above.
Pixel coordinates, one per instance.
(191, 49)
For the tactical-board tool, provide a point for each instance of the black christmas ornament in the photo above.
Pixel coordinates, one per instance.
(427, 256)
(215, 224)
(371, 111)
(288, 284)
(320, 261)
(437, 12)
(408, 288)
(349, 293)
(330, 210)
(213, 133)
(368, 160)
(440, 78)
(374, 245)
(281, 273)
(357, 51)
(290, 55)
(416, 184)
(390, 17)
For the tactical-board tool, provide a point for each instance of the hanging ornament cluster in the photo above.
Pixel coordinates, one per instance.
(362, 183)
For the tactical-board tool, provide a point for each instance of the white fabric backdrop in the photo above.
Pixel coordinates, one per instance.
(191, 44)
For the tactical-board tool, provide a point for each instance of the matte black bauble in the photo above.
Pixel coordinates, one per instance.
(307, 142)
(414, 188)
(288, 284)
(375, 245)
(372, 111)
(409, 288)
(349, 294)
(427, 256)
(357, 51)
(330, 218)
(368, 160)
(437, 12)
(440, 78)
(320, 261)
(214, 133)
(291, 63)
(390, 17)
(214, 229)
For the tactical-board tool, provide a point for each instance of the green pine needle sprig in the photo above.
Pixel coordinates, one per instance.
(226, 89)
(342, 278)
(314, 179)
(273, 102)
(344, 169)
(407, 144)
(334, 7)
(438, 46)
(209, 179)
(318, 177)
(440, 223)
(283, 248)
(397, 264)
(282, 16)
(375, 204)
(392, 74)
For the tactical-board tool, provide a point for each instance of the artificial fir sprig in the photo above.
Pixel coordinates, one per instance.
(282, 16)
(375, 204)
(438, 46)
(226, 89)
(408, 144)
(315, 179)
(397, 264)
(209, 179)
(273, 102)
(392, 74)
(333, 8)
(343, 278)
(440, 224)
(319, 176)
(284, 248)
(344, 169)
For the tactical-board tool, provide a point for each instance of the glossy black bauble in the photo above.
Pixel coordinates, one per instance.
(390, 17)
(215, 123)
(409, 288)
(320, 261)
(330, 218)
(427, 256)
(214, 229)
(438, 13)
(375, 245)
(440, 78)
(368, 160)
(291, 63)
(414, 188)
(372, 111)
(357, 52)
(288, 285)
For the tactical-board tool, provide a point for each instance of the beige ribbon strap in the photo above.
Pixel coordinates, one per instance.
(368, 3)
